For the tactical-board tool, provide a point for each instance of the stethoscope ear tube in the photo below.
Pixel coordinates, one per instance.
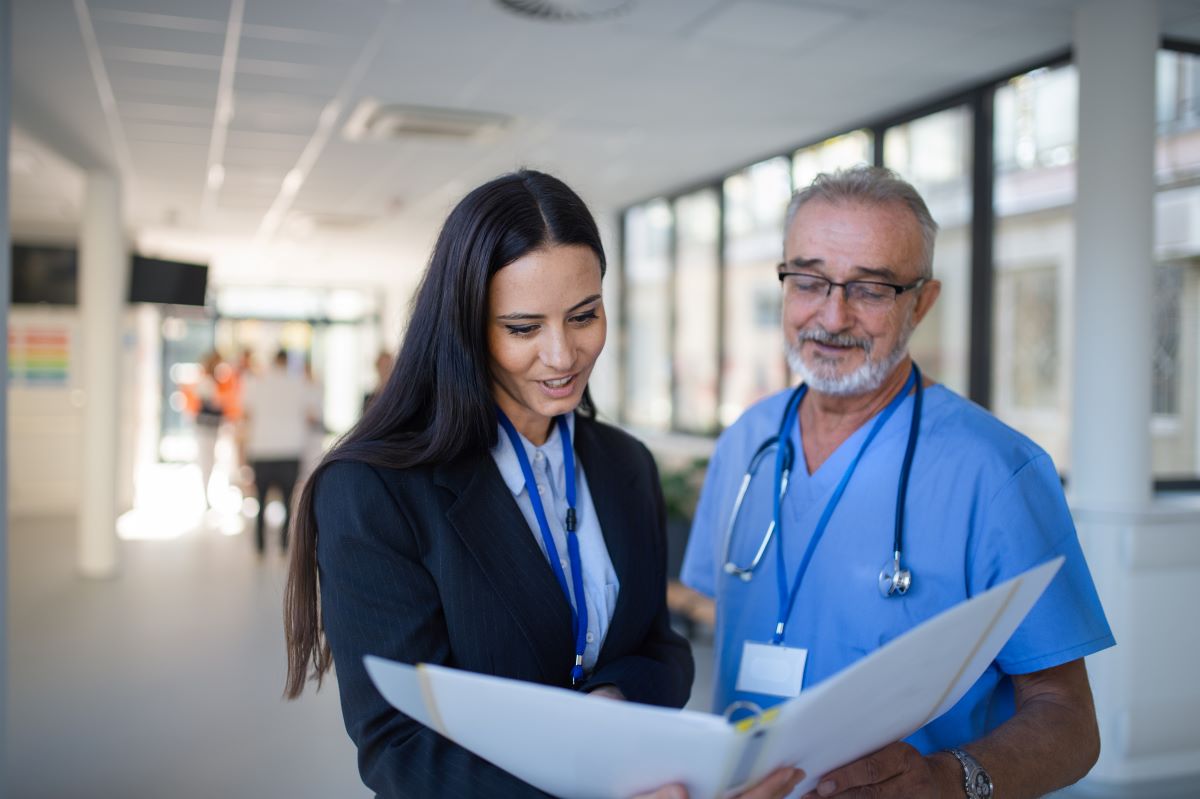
(744, 573)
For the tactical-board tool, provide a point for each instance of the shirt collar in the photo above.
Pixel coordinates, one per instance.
(510, 468)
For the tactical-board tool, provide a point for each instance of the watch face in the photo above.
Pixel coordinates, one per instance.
(981, 786)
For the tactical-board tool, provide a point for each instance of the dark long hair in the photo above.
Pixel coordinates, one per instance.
(437, 404)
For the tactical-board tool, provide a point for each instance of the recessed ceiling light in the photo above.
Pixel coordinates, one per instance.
(374, 121)
(566, 10)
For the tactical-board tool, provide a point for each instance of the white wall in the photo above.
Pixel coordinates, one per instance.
(45, 425)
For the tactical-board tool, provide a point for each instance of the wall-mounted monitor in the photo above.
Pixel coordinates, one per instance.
(44, 275)
(173, 282)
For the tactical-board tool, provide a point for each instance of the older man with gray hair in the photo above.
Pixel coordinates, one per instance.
(879, 465)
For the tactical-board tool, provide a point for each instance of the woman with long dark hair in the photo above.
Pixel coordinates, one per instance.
(478, 500)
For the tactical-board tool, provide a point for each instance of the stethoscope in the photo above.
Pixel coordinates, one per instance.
(893, 577)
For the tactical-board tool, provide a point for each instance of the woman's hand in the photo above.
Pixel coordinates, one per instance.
(608, 692)
(776, 785)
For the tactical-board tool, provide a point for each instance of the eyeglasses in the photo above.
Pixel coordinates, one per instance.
(868, 295)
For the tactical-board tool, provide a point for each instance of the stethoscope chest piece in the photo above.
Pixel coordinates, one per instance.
(893, 579)
(734, 570)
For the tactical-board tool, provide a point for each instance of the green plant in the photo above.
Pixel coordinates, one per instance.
(681, 488)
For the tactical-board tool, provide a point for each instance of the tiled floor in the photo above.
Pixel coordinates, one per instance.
(164, 682)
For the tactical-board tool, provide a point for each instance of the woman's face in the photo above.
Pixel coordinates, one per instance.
(546, 327)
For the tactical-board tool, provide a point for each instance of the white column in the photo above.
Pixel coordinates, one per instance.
(103, 268)
(5, 283)
(1115, 45)
(1143, 551)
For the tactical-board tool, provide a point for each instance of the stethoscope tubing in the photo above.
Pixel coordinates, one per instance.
(899, 581)
(745, 573)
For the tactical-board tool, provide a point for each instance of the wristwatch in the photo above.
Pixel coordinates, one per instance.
(976, 781)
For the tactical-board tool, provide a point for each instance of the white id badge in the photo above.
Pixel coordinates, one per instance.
(771, 669)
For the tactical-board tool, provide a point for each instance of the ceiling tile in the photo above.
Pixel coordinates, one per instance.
(141, 19)
(133, 85)
(238, 155)
(760, 25)
(121, 35)
(137, 131)
(283, 142)
(217, 10)
(169, 113)
(267, 80)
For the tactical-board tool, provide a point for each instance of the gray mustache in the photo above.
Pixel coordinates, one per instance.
(833, 340)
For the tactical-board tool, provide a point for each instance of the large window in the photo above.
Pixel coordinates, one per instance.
(1034, 255)
(697, 311)
(754, 365)
(934, 154)
(1176, 356)
(851, 149)
(703, 327)
(647, 320)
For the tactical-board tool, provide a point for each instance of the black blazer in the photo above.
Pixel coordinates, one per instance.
(437, 564)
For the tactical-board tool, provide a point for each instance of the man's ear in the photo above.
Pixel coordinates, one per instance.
(926, 297)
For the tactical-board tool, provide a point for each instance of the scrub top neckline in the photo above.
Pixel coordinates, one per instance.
(830, 472)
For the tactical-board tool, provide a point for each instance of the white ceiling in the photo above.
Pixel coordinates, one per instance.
(667, 94)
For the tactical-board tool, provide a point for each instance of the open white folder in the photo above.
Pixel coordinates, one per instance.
(573, 745)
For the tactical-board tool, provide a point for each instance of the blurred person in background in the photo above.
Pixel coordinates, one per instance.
(441, 524)
(383, 370)
(235, 388)
(278, 414)
(209, 410)
(314, 441)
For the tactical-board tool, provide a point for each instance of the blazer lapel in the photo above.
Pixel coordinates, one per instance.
(491, 526)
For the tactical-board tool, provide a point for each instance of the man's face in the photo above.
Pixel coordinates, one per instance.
(847, 348)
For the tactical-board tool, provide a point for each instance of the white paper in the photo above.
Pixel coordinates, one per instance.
(573, 745)
(564, 742)
(903, 685)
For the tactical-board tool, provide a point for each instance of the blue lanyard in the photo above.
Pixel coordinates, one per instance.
(579, 606)
(787, 598)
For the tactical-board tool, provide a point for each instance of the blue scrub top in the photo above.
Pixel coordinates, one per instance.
(984, 504)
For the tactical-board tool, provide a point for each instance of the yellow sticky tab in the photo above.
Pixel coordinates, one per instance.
(765, 717)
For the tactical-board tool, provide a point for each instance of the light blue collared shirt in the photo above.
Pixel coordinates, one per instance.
(600, 584)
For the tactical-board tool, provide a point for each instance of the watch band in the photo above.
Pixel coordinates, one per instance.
(977, 783)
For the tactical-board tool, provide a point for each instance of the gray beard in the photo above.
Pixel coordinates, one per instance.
(823, 378)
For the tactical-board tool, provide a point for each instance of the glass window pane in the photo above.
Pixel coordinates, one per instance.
(697, 304)
(755, 203)
(1034, 255)
(850, 149)
(647, 328)
(1176, 356)
(934, 154)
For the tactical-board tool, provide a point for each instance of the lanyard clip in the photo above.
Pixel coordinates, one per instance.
(571, 523)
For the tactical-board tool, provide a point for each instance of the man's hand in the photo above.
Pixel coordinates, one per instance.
(776, 785)
(897, 770)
